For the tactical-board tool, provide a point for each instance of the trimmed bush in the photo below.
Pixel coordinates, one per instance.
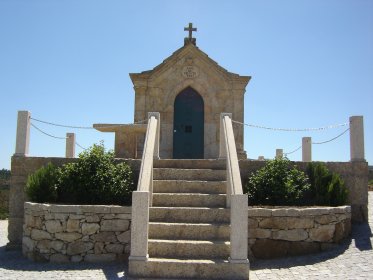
(278, 183)
(94, 179)
(327, 188)
(41, 185)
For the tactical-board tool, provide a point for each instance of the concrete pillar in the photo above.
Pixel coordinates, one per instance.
(140, 226)
(239, 229)
(157, 115)
(70, 145)
(222, 144)
(307, 149)
(357, 138)
(279, 153)
(23, 133)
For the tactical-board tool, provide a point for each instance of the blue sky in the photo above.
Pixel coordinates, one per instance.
(67, 62)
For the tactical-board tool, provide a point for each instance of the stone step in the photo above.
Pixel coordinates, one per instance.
(189, 231)
(189, 174)
(191, 163)
(189, 215)
(190, 249)
(188, 269)
(183, 186)
(189, 200)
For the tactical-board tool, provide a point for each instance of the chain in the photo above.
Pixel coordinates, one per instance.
(292, 129)
(50, 135)
(330, 140)
(293, 151)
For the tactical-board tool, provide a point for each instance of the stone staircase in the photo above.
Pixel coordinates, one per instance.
(189, 225)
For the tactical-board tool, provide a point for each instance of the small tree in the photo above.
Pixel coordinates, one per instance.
(327, 188)
(41, 185)
(277, 183)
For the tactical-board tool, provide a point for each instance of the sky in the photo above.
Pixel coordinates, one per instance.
(68, 61)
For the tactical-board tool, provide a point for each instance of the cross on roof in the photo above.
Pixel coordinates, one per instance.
(190, 39)
(190, 29)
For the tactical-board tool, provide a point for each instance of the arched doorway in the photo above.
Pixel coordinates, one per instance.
(188, 125)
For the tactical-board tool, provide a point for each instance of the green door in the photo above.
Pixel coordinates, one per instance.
(188, 125)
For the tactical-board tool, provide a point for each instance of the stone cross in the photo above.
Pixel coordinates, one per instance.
(190, 38)
(190, 29)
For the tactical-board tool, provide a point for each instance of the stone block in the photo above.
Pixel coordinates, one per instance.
(104, 237)
(99, 248)
(76, 216)
(285, 212)
(115, 225)
(260, 212)
(28, 243)
(99, 209)
(59, 258)
(323, 233)
(89, 228)
(259, 233)
(325, 219)
(342, 230)
(124, 237)
(92, 219)
(37, 234)
(290, 235)
(302, 248)
(273, 223)
(268, 248)
(53, 226)
(114, 248)
(100, 258)
(253, 223)
(34, 222)
(76, 258)
(68, 236)
(123, 216)
(294, 223)
(72, 225)
(78, 247)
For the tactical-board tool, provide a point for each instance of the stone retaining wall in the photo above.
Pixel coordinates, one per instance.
(283, 232)
(75, 233)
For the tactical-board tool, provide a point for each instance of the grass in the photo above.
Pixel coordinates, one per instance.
(370, 182)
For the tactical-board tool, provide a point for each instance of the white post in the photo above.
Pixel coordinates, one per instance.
(357, 138)
(306, 149)
(222, 147)
(23, 133)
(139, 226)
(239, 229)
(157, 137)
(279, 153)
(70, 145)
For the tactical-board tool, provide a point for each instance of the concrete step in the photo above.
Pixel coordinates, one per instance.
(183, 186)
(189, 200)
(189, 174)
(189, 231)
(188, 249)
(188, 269)
(189, 215)
(191, 163)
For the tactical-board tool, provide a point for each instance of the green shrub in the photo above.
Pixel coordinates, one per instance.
(277, 183)
(95, 179)
(327, 188)
(4, 213)
(41, 185)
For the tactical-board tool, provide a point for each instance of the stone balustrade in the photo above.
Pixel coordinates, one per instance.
(280, 232)
(75, 233)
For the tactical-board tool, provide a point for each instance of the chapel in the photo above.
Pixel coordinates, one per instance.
(190, 91)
